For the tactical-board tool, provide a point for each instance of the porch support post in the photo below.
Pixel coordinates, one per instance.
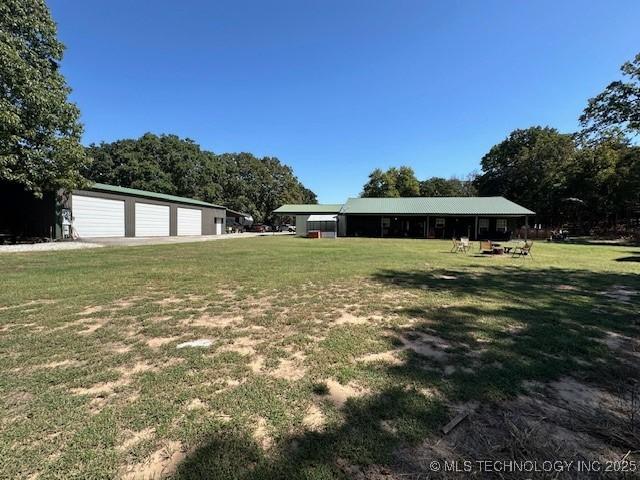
(424, 230)
(526, 226)
(426, 235)
(475, 232)
(381, 226)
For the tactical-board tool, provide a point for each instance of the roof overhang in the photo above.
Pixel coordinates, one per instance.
(308, 209)
(322, 218)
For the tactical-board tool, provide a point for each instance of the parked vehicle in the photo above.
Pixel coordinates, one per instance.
(260, 228)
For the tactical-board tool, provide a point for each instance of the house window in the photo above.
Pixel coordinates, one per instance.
(501, 225)
(439, 222)
(483, 225)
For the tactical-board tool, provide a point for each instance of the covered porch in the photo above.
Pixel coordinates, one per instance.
(475, 227)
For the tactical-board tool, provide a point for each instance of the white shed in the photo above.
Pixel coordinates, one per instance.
(327, 225)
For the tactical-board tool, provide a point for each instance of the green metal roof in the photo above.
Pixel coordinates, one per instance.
(434, 206)
(292, 209)
(103, 187)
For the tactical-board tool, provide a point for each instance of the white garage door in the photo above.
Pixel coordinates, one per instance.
(152, 220)
(189, 221)
(97, 217)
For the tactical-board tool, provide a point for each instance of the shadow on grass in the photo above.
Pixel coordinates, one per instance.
(506, 326)
(634, 257)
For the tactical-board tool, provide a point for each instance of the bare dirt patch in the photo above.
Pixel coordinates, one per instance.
(208, 321)
(241, 345)
(261, 434)
(160, 464)
(347, 318)
(101, 391)
(426, 345)
(157, 342)
(196, 404)
(91, 310)
(390, 357)
(314, 419)
(257, 364)
(60, 364)
(170, 300)
(528, 428)
(92, 325)
(119, 348)
(339, 394)
(289, 369)
(228, 384)
(574, 393)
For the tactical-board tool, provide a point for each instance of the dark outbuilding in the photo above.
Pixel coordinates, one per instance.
(105, 211)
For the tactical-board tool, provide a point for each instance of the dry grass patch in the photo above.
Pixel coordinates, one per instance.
(208, 321)
(134, 438)
(390, 357)
(160, 464)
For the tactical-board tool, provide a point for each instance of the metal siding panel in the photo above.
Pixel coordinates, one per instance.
(301, 225)
(98, 217)
(208, 225)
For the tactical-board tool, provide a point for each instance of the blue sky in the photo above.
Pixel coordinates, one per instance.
(338, 88)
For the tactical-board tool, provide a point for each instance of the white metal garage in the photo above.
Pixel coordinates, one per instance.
(189, 221)
(97, 217)
(152, 220)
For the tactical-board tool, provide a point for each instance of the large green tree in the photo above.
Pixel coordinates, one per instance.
(530, 167)
(395, 182)
(39, 128)
(617, 108)
(169, 164)
(447, 187)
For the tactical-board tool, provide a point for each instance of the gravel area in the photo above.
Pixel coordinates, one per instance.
(126, 242)
(47, 247)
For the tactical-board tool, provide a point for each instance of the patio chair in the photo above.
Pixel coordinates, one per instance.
(458, 246)
(523, 249)
(466, 244)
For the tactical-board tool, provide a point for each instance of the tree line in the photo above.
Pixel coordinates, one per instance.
(169, 164)
(402, 182)
(589, 178)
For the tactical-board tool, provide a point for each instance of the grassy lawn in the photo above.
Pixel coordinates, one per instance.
(329, 359)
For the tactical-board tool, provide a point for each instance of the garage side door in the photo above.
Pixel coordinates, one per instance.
(152, 220)
(189, 221)
(97, 217)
